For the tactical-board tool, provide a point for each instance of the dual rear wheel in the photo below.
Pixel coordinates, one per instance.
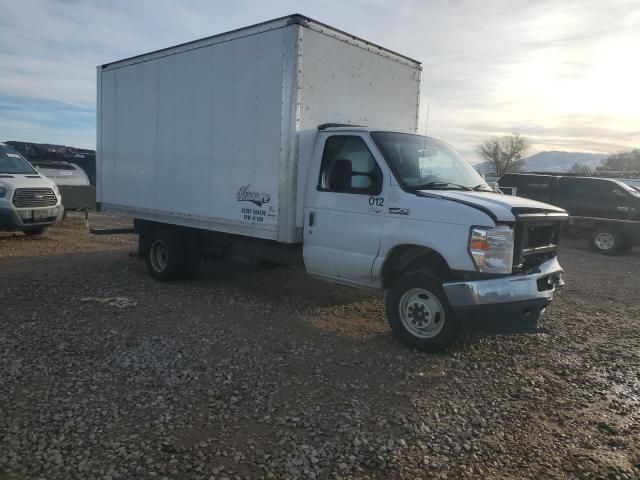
(171, 254)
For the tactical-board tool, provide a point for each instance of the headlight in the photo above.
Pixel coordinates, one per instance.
(3, 192)
(56, 189)
(492, 249)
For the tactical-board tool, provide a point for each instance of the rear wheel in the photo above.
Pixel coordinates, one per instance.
(607, 241)
(165, 255)
(33, 232)
(419, 313)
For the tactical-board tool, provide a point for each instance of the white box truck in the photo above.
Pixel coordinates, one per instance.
(293, 142)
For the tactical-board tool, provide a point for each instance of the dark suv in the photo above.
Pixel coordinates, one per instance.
(608, 209)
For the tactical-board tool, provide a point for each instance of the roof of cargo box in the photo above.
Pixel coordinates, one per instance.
(276, 23)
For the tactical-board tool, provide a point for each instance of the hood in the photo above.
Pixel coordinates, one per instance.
(500, 207)
(13, 181)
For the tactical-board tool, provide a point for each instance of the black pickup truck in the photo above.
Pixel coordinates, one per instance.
(609, 210)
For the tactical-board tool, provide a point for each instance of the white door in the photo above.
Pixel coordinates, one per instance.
(344, 210)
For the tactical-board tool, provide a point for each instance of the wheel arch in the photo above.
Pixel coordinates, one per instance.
(410, 257)
(145, 228)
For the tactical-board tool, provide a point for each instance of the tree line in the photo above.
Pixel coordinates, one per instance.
(505, 154)
(622, 162)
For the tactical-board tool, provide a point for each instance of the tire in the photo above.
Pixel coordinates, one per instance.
(607, 241)
(165, 255)
(420, 293)
(33, 232)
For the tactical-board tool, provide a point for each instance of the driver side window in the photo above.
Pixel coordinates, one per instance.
(349, 167)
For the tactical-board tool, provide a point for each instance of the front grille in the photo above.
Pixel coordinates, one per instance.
(34, 198)
(535, 242)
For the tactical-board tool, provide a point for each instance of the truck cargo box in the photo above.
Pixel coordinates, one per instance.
(217, 133)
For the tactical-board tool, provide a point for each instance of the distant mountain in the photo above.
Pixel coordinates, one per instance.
(561, 161)
(552, 162)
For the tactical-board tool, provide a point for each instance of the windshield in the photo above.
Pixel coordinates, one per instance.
(423, 163)
(629, 188)
(13, 163)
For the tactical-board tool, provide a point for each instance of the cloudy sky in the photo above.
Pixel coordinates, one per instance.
(564, 73)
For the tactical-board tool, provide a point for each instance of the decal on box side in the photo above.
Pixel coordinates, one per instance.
(246, 195)
(260, 215)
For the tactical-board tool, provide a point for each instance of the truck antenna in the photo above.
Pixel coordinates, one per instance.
(424, 144)
(426, 127)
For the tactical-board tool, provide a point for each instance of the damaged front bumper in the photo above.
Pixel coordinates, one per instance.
(510, 304)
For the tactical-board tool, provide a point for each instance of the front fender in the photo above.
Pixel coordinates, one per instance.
(437, 224)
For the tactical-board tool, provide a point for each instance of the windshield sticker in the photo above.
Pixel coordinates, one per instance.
(13, 155)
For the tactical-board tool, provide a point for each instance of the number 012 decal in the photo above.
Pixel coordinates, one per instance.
(376, 201)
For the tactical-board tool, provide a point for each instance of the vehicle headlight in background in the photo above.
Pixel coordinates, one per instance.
(492, 249)
(3, 192)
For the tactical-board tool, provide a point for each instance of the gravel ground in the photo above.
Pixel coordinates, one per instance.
(253, 373)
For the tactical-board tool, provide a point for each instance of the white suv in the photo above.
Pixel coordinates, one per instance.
(29, 202)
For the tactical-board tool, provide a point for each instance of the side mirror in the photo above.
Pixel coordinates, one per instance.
(495, 186)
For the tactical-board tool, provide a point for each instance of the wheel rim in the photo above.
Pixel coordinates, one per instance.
(158, 255)
(421, 313)
(604, 240)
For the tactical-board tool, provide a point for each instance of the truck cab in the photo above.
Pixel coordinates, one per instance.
(407, 214)
(29, 202)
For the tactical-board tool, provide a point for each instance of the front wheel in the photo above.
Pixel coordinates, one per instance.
(607, 241)
(419, 313)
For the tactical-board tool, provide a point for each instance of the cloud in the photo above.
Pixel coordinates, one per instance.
(46, 121)
(546, 69)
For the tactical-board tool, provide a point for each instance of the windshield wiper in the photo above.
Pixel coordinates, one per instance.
(479, 188)
(443, 186)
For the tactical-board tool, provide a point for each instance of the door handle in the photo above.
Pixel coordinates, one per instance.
(312, 218)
